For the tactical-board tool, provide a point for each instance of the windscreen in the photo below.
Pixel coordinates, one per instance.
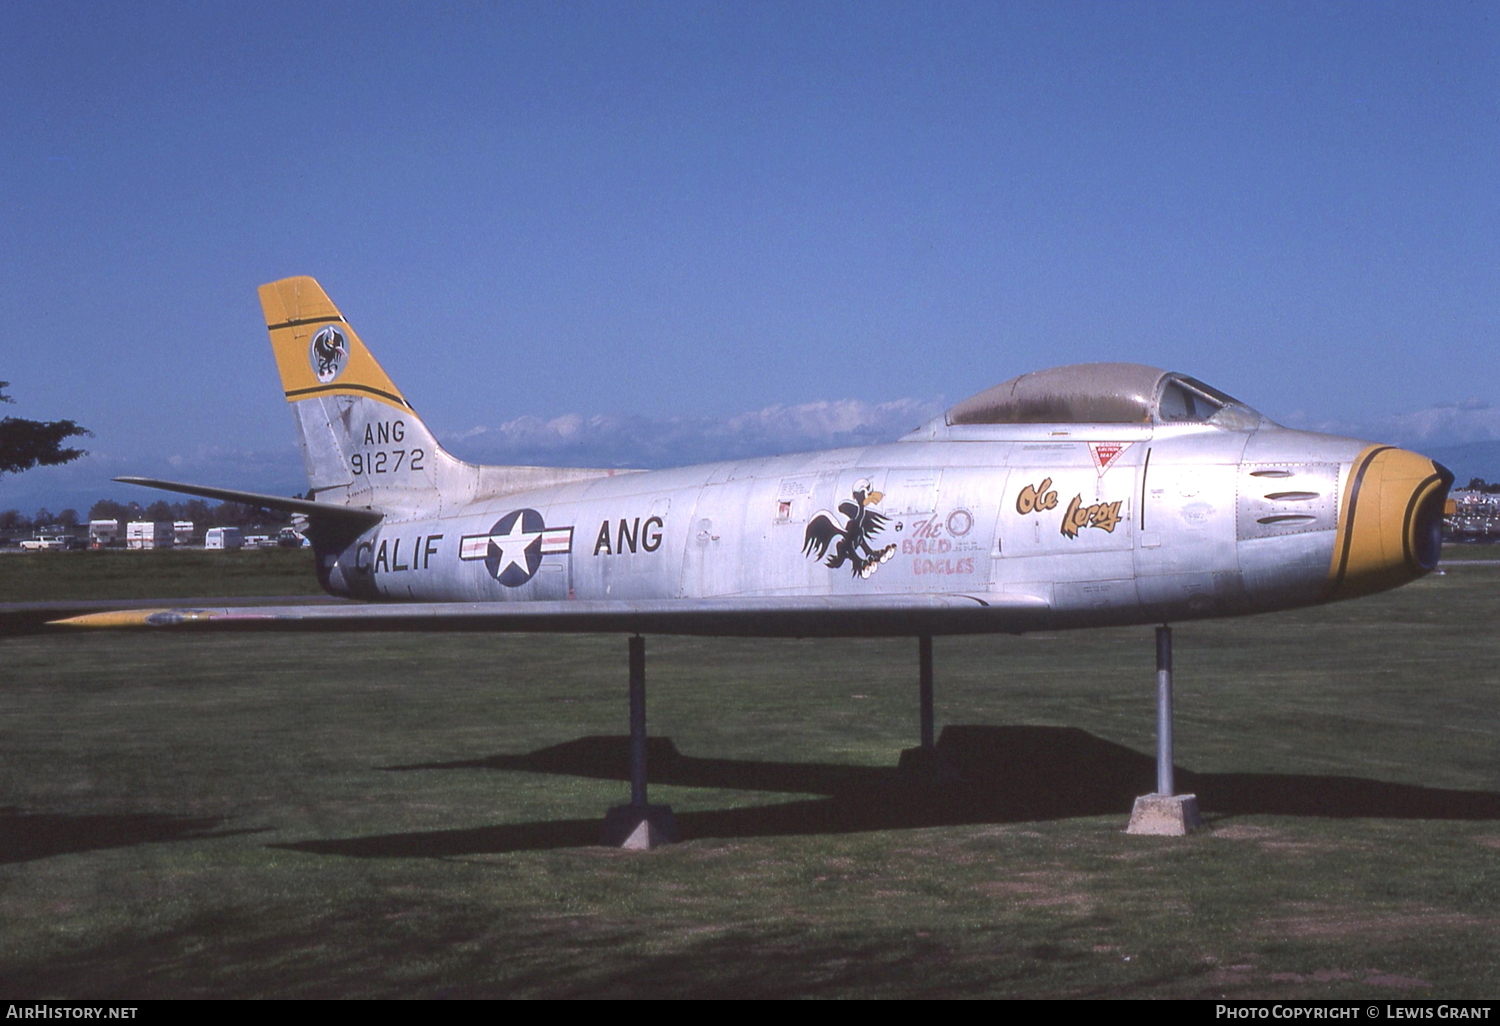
(1188, 400)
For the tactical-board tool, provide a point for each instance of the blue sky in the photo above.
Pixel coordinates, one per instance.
(582, 231)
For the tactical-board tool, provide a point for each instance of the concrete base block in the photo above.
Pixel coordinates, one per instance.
(639, 827)
(928, 767)
(1165, 815)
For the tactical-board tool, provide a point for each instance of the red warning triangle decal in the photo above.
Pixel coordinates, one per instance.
(1106, 453)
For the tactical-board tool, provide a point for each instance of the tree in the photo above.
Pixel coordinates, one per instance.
(108, 509)
(195, 510)
(232, 514)
(35, 443)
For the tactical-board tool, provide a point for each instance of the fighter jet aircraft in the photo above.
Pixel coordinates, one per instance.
(1080, 496)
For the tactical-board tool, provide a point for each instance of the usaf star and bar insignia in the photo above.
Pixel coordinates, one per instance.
(515, 545)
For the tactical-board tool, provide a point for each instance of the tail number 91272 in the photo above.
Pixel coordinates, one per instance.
(386, 461)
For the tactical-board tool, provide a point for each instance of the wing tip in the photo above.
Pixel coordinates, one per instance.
(126, 618)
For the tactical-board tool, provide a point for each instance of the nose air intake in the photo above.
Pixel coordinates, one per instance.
(1390, 523)
(1427, 525)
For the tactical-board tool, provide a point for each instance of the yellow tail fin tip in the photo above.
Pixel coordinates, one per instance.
(317, 352)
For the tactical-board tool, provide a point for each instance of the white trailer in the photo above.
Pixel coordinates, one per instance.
(103, 532)
(223, 538)
(147, 534)
(182, 532)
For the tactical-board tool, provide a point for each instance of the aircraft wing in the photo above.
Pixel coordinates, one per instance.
(17, 618)
(770, 616)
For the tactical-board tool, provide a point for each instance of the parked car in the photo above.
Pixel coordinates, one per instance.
(49, 542)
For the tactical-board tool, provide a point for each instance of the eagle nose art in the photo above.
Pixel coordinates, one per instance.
(1391, 523)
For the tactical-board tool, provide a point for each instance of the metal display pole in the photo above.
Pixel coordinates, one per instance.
(1164, 783)
(924, 688)
(1164, 813)
(638, 825)
(637, 720)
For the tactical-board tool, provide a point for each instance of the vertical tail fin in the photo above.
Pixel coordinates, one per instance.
(362, 442)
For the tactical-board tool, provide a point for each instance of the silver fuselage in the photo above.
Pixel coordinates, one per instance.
(1104, 523)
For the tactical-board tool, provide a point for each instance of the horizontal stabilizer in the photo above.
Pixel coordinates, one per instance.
(326, 511)
(767, 617)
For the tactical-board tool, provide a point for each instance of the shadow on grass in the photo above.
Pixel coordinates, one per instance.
(1003, 775)
(25, 836)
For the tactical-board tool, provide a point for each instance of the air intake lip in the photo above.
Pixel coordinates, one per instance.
(1425, 533)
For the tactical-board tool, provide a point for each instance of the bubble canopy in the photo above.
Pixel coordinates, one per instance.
(1104, 393)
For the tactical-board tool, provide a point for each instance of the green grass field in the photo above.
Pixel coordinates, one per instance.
(166, 573)
(367, 815)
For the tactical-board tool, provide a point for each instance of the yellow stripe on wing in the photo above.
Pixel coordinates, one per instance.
(137, 618)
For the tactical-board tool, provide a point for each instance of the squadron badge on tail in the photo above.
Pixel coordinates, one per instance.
(850, 543)
(328, 353)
